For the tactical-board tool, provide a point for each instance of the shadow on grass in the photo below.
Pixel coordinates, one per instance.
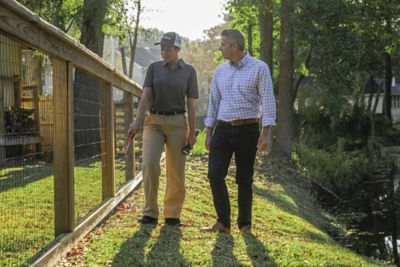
(277, 199)
(23, 175)
(317, 237)
(257, 252)
(16, 174)
(295, 200)
(300, 207)
(132, 250)
(165, 252)
(222, 253)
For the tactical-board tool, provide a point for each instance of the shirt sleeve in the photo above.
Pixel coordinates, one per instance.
(268, 105)
(213, 106)
(148, 81)
(192, 88)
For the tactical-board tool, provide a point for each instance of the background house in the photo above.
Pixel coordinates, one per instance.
(144, 56)
(379, 83)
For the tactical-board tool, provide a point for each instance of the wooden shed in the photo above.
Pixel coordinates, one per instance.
(26, 99)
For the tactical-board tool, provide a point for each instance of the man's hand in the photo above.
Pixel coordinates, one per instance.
(208, 138)
(263, 139)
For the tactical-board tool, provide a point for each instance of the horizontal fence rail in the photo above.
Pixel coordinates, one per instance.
(64, 115)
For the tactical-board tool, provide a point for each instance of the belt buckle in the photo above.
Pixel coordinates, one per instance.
(236, 123)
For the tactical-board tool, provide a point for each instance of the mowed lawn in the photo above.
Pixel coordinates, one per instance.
(288, 230)
(27, 207)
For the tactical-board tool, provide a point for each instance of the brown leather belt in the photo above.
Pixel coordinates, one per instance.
(239, 122)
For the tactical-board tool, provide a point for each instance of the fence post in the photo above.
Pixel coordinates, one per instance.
(2, 123)
(64, 216)
(107, 139)
(128, 115)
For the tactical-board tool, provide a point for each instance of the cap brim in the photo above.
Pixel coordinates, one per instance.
(168, 45)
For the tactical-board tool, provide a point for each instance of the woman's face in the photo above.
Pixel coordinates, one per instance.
(169, 53)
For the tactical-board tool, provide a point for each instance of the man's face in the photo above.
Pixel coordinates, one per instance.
(169, 53)
(226, 48)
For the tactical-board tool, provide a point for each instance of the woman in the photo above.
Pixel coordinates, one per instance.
(170, 86)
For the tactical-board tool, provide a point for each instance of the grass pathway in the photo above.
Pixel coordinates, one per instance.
(287, 231)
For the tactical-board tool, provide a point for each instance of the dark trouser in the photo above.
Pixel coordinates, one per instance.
(226, 141)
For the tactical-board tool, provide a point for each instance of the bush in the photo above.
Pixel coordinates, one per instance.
(337, 169)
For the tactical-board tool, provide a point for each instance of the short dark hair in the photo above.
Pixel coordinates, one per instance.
(235, 37)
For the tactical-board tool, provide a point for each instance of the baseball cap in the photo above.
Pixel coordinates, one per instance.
(170, 39)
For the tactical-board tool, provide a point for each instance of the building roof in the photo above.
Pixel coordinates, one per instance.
(144, 56)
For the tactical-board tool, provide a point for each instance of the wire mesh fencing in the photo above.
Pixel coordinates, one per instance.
(58, 159)
(88, 143)
(26, 147)
(127, 156)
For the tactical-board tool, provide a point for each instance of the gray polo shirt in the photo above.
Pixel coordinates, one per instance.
(171, 88)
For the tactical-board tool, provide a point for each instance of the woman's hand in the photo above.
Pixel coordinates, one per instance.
(191, 140)
(134, 128)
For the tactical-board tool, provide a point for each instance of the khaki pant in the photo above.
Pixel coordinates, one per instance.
(170, 131)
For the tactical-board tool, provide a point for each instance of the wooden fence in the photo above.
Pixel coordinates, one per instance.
(57, 133)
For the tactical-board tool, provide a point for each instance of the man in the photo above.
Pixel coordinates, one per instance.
(167, 85)
(241, 93)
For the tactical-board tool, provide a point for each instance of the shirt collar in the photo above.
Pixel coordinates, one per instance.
(245, 59)
(180, 63)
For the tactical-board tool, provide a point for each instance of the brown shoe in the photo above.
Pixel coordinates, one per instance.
(245, 230)
(217, 227)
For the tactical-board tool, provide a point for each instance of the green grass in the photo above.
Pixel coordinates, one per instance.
(288, 228)
(26, 213)
(27, 208)
(288, 231)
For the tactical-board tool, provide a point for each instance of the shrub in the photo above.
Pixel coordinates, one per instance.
(337, 169)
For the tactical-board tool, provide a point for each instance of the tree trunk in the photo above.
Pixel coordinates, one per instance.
(58, 20)
(123, 59)
(394, 237)
(266, 22)
(371, 108)
(250, 39)
(387, 100)
(394, 206)
(92, 36)
(87, 87)
(285, 96)
(301, 76)
(135, 37)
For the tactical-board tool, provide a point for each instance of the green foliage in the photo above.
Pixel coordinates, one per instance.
(242, 14)
(334, 141)
(199, 148)
(347, 40)
(120, 19)
(64, 14)
(336, 169)
(323, 121)
(321, 124)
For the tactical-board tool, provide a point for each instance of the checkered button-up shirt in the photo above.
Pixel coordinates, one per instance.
(242, 92)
